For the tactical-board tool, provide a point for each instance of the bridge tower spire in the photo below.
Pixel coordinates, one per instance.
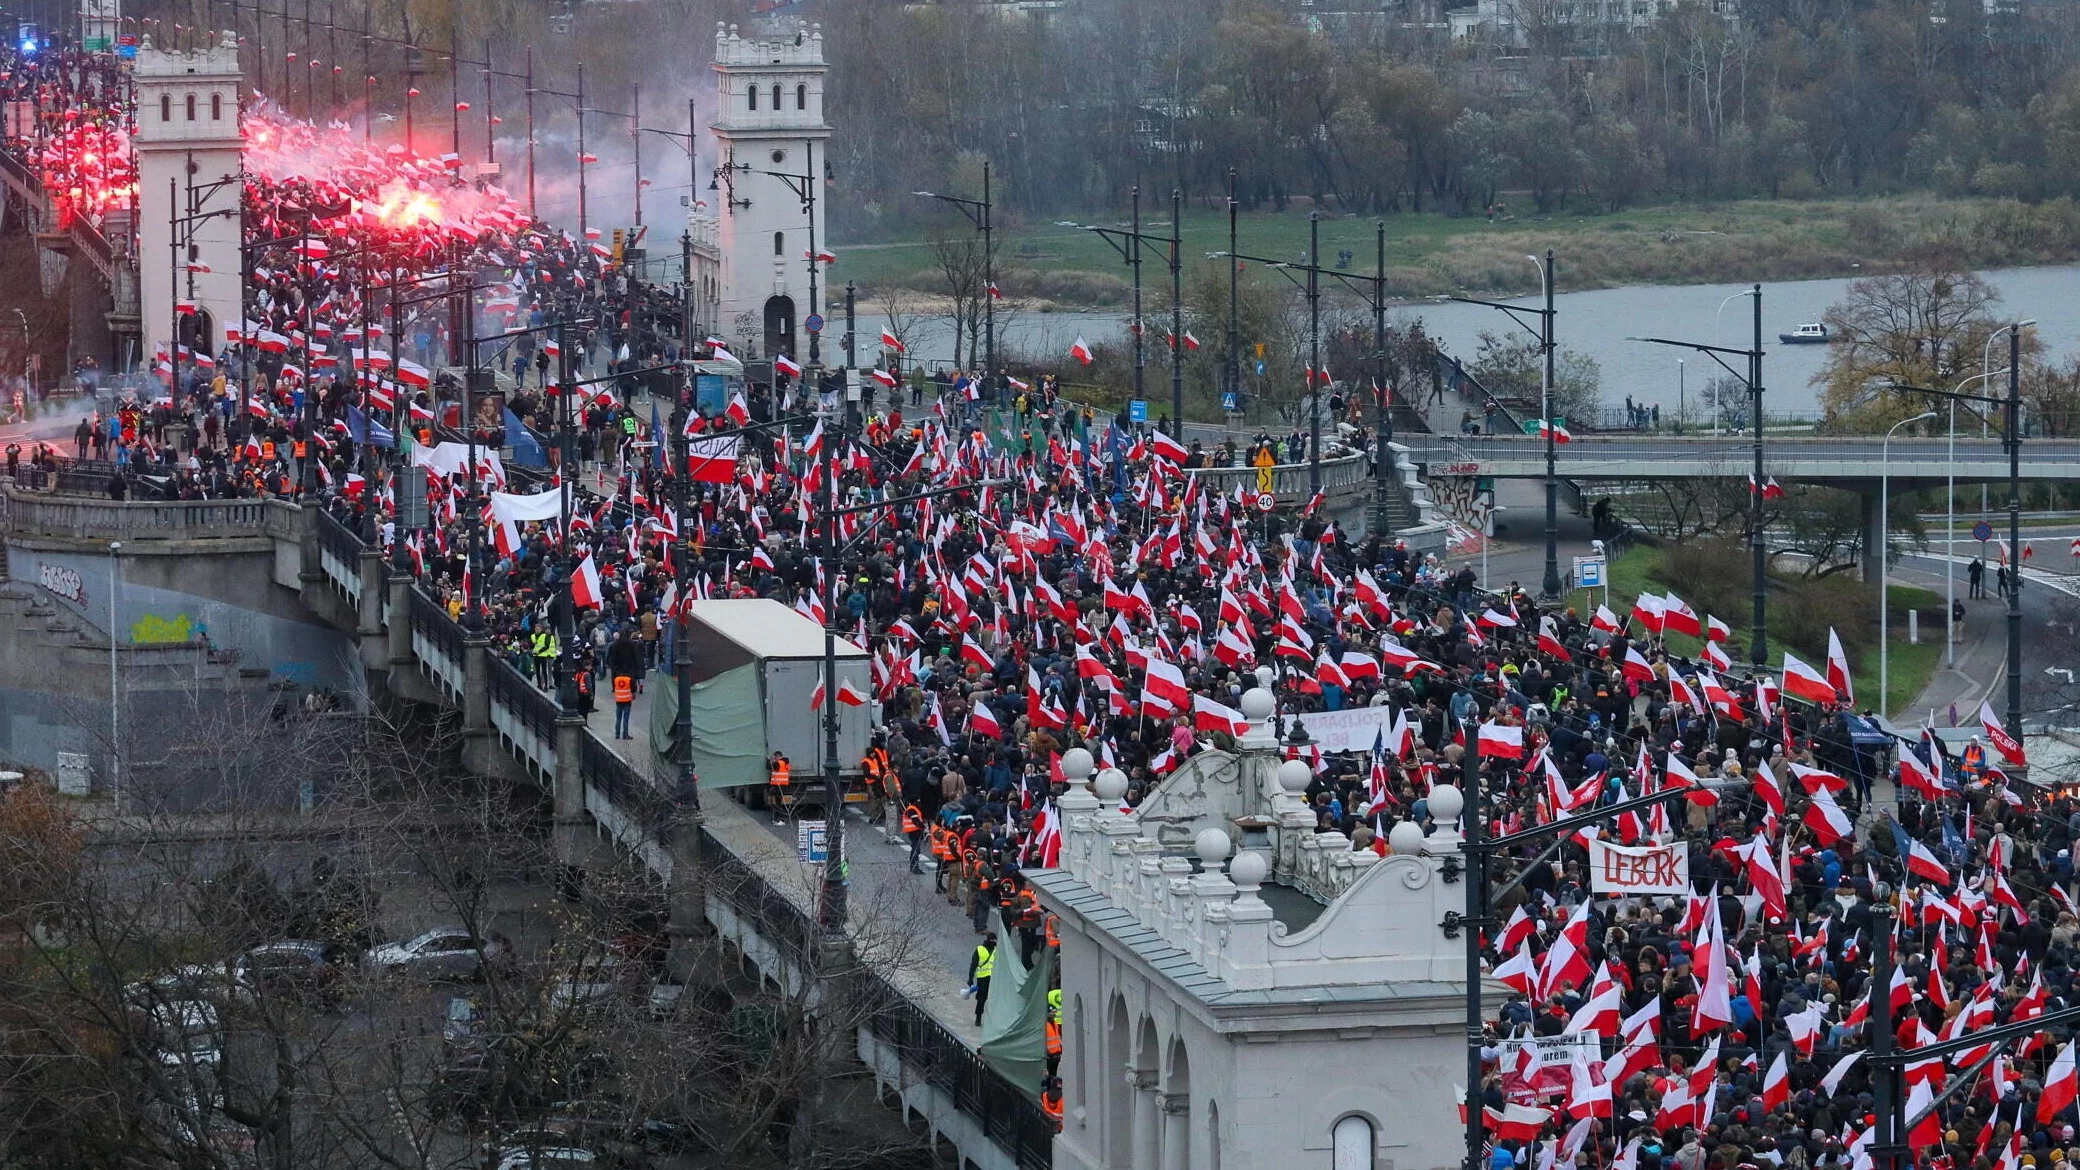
(188, 191)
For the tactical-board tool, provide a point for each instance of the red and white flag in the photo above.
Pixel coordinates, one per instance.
(1838, 668)
(889, 342)
(2009, 747)
(1803, 682)
(1081, 351)
(585, 591)
(1498, 740)
(1208, 715)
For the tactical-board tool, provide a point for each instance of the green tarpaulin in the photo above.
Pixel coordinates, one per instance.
(1014, 1022)
(729, 734)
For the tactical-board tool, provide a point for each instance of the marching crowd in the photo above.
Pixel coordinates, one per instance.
(1087, 589)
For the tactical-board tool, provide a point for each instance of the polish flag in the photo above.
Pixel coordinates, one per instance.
(585, 589)
(1356, 665)
(1715, 657)
(1647, 610)
(1803, 682)
(1604, 620)
(1714, 1008)
(1567, 962)
(1501, 741)
(782, 364)
(1636, 667)
(885, 377)
(739, 411)
(1680, 617)
(1208, 715)
(1776, 1085)
(1829, 823)
(982, 722)
(1169, 448)
(1081, 351)
(1519, 970)
(889, 342)
(1716, 630)
(2061, 1085)
(1165, 683)
(2009, 747)
(1922, 863)
(1838, 667)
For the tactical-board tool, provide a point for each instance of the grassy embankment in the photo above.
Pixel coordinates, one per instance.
(1800, 612)
(1050, 266)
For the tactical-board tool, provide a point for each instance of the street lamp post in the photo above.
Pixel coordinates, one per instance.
(2014, 445)
(1884, 514)
(979, 213)
(115, 694)
(1314, 352)
(1752, 378)
(1549, 587)
(1950, 498)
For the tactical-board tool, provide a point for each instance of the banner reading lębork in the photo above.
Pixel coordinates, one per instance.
(1648, 869)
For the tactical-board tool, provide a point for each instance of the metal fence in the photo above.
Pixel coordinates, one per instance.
(535, 711)
(432, 622)
(339, 540)
(628, 790)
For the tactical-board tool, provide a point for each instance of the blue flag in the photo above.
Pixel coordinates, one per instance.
(527, 451)
(656, 436)
(368, 431)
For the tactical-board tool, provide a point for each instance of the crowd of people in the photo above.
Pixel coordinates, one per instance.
(1086, 589)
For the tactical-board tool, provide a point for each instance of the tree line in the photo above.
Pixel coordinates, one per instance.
(1577, 102)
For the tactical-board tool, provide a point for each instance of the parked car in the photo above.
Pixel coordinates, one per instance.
(546, 1158)
(285, 967)
(445, 952)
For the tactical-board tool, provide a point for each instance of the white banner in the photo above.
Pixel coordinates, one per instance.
(514, 509)
(1649, 869)
(1347, 731)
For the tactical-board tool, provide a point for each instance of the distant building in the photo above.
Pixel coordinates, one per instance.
(188, 166)
(1511, 20)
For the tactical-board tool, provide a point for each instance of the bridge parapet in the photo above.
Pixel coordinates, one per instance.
(33, 514)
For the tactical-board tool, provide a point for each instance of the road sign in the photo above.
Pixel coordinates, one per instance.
(1590, 573)
(1982, 531)
(1137, 410)
(813, 323)
(1266, 502)
(1228, 402)
(812, 841)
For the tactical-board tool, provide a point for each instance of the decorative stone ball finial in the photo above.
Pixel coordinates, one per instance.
(1212, 846)
(1247, 871)
(1257, 705)
(1406, 839)
(1265, 677)
(1294, 776)
(1446, 801)
(1111, 785)
(1076, 765)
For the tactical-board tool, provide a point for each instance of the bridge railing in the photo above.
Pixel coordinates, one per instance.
(525, 717)
(32, 514)
(339, 555)
(1287, 479)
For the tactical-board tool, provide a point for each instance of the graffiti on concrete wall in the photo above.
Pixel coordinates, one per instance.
(151, 629)
(62, 581)
(1466, 510)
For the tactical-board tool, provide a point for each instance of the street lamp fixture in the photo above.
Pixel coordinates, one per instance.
(1884, 517)
(979, 213)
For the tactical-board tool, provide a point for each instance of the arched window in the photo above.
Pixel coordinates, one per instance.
(166, 107)
(753, 95)
(801, 97)
(191, 107)
(216, 107)
(776, 95)
(1351, 1144)
(779, 243)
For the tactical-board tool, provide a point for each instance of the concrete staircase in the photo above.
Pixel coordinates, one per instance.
(43, 638)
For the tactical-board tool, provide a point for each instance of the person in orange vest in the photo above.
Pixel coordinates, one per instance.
(624, 704)
(942, 852)
(913, 828)
(1051, 1101)
(779, 774)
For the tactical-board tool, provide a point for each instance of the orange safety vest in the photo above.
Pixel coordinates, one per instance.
(911, 819)
(1051, 1101)
(1054, 1037)
(1054, 931)
(781, 772)
(297, 448)
(624, 689)
(267, 450)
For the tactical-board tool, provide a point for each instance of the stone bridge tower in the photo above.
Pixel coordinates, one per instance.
(188, 191)
(769, 122)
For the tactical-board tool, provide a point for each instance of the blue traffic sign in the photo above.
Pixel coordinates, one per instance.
(1982, 531)
(1137, 410)
(814, 323)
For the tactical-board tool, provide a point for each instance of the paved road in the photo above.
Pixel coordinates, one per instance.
(1823, 458)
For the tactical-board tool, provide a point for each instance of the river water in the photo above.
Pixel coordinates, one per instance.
(1597, 324)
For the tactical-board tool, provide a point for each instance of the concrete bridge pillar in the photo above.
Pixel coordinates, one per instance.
(481, 752)
(572, 832)
(1875, 535)
(368, 623)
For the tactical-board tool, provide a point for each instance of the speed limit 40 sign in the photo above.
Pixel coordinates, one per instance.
(1266, 502)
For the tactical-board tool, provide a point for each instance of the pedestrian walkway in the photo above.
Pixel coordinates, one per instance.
(898, 922)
